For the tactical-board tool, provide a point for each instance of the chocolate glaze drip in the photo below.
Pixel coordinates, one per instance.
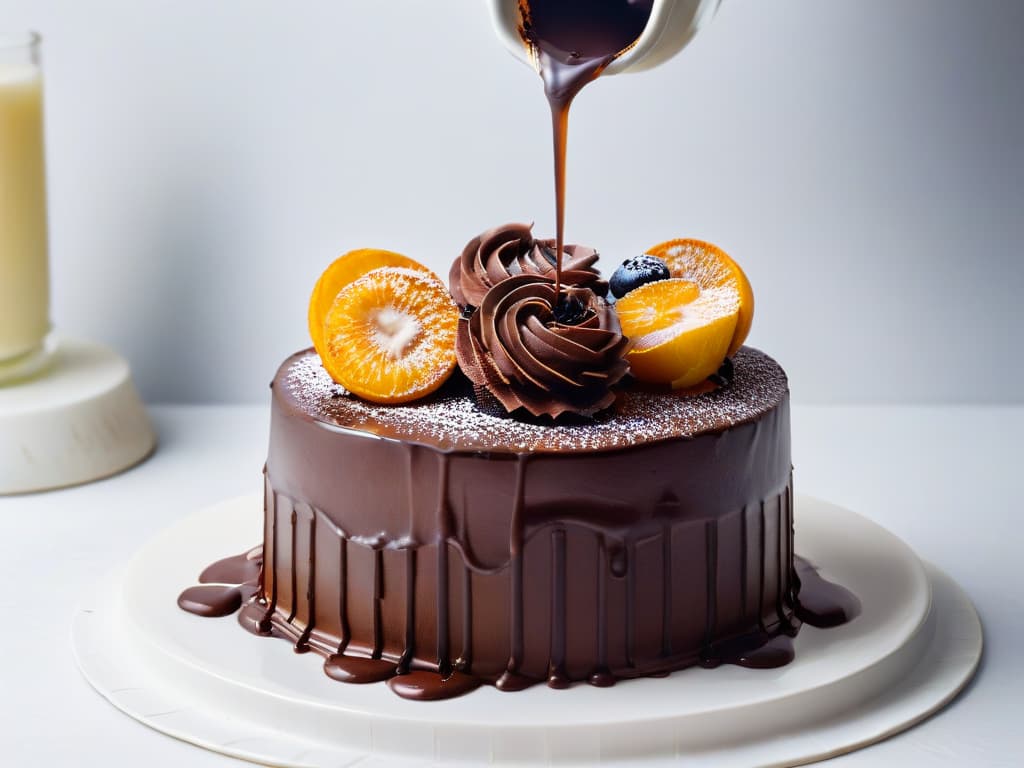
(511, 680)
(444, 661)
(235, 570)
(510, 250)
(820, 602)
(358, 669)
(421, 685)
(460, 568)
(757, 651)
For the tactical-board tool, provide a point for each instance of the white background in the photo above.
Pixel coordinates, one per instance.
(863, 160)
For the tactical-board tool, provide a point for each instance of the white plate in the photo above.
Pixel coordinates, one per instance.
(207, 681)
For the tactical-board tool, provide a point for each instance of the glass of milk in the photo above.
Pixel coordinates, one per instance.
(24, 270)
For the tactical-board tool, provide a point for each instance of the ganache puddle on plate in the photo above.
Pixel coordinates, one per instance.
(225, 585)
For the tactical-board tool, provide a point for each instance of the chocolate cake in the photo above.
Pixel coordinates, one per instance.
(441, 547)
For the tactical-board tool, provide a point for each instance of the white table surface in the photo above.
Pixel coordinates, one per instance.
(941, 478)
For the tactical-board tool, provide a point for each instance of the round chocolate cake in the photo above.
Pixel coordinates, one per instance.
(447, 547)
(513, 479)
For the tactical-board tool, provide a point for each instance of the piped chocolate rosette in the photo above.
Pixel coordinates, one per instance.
(546, 352)
(388, 330)
(510, 251)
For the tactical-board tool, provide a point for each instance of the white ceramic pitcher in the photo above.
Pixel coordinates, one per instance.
(672, 25)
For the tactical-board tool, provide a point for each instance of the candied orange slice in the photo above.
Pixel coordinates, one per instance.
(709, 267)
(680, 332)
(344, 270)
(389, 336)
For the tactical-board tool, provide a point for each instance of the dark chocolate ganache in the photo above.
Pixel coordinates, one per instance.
(438, 547)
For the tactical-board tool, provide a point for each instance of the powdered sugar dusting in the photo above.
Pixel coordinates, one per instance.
(453, 420)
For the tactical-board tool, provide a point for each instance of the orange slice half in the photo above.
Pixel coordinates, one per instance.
(344, 270)
(679, 331)
(389, 336)
(710, 267)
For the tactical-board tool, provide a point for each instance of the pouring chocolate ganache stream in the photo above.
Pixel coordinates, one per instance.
(571, 43)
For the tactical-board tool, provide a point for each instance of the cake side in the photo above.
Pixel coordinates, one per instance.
(514, 568)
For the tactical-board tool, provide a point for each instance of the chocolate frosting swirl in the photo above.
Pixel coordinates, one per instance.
(515, 346)
(510, 250)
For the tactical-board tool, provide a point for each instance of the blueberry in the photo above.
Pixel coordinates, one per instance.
(637, 271)
(570, 311)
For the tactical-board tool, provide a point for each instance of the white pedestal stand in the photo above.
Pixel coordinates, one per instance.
(73, 417)
(206, 681)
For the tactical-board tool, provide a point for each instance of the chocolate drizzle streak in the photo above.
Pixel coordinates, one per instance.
(456, 569)
(511, 680)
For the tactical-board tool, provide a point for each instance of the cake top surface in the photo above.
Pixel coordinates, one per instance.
(451, 420)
